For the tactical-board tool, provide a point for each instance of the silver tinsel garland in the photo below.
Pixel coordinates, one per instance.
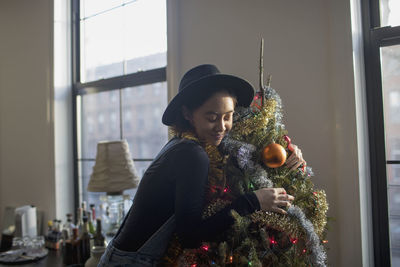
(270, 93)
(243, 153)
(318, 255)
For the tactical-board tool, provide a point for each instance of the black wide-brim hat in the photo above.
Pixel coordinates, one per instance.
(202, 78)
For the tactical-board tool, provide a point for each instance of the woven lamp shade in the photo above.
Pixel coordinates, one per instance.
(114, 170)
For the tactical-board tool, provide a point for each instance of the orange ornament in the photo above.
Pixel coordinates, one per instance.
(274, 155)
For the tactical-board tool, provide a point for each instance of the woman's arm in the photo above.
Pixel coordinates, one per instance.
(191, 187)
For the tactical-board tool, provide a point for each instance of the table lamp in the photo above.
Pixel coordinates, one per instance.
(113, 172)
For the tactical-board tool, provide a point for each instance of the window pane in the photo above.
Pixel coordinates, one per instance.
(94, 7)
(124, 40)
(145, 35)
(143, 107)
(390, 64)
(102, 46)
(394, 213)
(394, 200)
(86, 168)
(390, 12)
(393, 172)
(395, 240)
(99, 121)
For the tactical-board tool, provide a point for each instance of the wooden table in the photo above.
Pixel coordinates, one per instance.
(53, 259)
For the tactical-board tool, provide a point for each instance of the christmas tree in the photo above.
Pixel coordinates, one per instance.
(253, 157)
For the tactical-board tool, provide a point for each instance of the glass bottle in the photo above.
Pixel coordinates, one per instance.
(67, 227)
(99, 239)
(105, 217)
(92, 230)
(93, 210)
(85, 241)
(79, 220)
(84, 208)
(72, 254)
(49, 227)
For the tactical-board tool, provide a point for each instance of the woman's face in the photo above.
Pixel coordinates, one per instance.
(212, 120)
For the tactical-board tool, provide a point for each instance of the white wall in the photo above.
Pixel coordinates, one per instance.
(27, 111)
(308, 51)
(27, 150)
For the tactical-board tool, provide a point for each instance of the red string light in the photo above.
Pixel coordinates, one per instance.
(303, 169)
(205, 247)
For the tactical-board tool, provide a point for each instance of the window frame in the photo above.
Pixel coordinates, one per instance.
(102, 85)
(375, 37)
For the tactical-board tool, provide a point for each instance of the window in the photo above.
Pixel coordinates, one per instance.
(382, 66)
(119, 77)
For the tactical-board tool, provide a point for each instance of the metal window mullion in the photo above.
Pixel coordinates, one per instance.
(386, 36)
(380, 213)
(115, 83)
(108, 10)
(121, 121)
(378, 160)
(75, 44)
(75, 41)
(374, 13)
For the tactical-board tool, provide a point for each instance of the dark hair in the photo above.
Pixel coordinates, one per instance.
(199, 98)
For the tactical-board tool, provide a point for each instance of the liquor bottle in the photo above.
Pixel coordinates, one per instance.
(85, 241)
(93, 210)
(106, 223)
(59, 226)
(70, 225)
(79, 220)
(55, 225)
(53, 237)
(99, 239)
(49, 227)
(92, 230)
(72, 254)
(84, 208)
(67, 228)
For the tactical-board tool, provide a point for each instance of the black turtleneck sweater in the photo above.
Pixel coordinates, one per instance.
(176, 183)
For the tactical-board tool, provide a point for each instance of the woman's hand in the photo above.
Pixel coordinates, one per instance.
(296, 158)
(273, 199)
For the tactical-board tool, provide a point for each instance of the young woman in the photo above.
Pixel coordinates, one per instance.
(170, 198)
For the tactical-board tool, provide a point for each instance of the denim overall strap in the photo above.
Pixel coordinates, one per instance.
(147, 255)
(156, 245)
